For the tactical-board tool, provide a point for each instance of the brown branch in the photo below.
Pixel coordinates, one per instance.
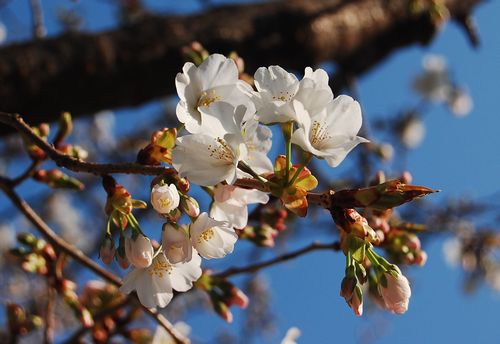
(335, 246)
(15, 121)
(78, 255)
(84, 73)
(28, 173)
(48, 333)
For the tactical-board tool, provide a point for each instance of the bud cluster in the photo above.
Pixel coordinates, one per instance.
(57, 179)
(96, 297)
(271, 223)
(223, 294)
(385, 281)
(21, 322)
(39, 257)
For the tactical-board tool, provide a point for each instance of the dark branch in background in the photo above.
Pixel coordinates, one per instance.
(335, 246)
(39, 30)
(85, 73)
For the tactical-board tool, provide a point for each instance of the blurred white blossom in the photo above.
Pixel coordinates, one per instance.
(412, 132)
(291, 336)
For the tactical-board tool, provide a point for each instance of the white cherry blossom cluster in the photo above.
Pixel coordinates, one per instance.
(227, 137)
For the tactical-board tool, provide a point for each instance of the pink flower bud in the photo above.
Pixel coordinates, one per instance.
(420, 258)
(396, 293)
(223, 310)
(238, 298)
(107, 251)
(356, 304)
(139, 251)
(190, 206)
(122, 261)
(412, 241)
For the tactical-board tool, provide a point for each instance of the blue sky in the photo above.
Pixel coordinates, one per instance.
(458, 156)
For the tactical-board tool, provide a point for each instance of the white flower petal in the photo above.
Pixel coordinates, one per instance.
(205, 160)
(185, 274)
(217, 70)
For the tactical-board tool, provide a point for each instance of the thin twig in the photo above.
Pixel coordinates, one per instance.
(48, 333)
(334, 246)
(28, 173)
(52, 237)
(15, 121)
(39, 30)
(78, 255)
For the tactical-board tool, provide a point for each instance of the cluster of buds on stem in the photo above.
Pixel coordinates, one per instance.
(21, 322)
(98, 296)
(119, 206)
(35, 152)
(405, 247)
(386, 282)
(195, 52)
(37, 256)
(57, 179)
(223, 294)
(272, 221)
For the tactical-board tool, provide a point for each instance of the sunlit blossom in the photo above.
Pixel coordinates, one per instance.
(212, 238)
(155, 284)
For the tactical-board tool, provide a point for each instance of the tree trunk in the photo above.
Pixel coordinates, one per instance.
(84, 73)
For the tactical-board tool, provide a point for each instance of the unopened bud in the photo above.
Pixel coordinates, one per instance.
(183, 185)
(43, 130)
(122, 261)
(420, 258)
(381, 197)
(57, 179)
(28, 239)
(65, 128)
(238, 298)
(223, 310)
(190, 206)
(86, 318)
(347, 287)
(107, 250)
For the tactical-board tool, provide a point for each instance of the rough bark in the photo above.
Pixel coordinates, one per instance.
(84, 73)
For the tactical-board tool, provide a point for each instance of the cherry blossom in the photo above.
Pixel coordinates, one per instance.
(230, 204)
(139, 251)
(330, 133)
(212, 238)
(155, 284)
(164, 198)
(176, 244)
(199, 88)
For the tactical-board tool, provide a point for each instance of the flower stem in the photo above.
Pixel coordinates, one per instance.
(134, 223)
(373, 257)
(287, 129)
(108, 225)
(305, 161)
(246, 168)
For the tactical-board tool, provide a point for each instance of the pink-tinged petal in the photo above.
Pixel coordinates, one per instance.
(396, 293)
